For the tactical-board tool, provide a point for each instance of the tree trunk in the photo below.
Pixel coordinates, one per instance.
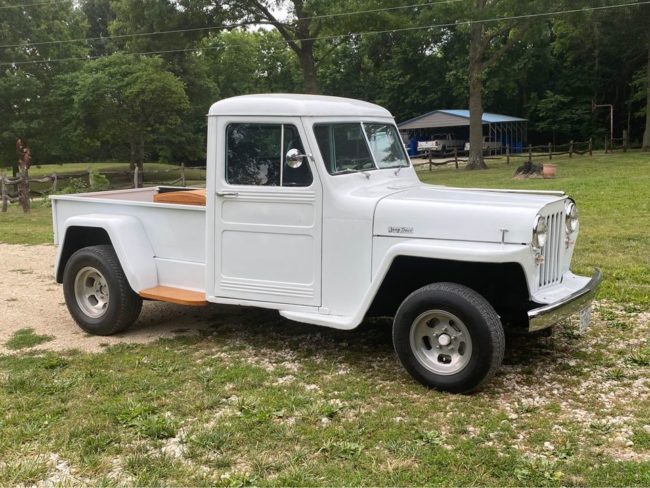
(132, 160)
(646, 134)
(475, 159)
(308, 65)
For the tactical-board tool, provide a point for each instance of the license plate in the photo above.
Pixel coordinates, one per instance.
(585, 318)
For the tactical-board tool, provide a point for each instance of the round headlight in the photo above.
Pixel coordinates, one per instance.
(571, 221)
(539, 232)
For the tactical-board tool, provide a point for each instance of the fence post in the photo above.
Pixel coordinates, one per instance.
(625, 141)
(91, 179)
(55, 181)
(530, 153)
(183, 174)
(23, 192)
(4, 191)
(456, 156)
(571, 149)
(606, 144)
(430, 160)
(550, 150)
(591, 146)
(136, 176)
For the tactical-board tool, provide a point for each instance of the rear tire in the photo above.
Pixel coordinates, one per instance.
(97, 293)
(448, 337)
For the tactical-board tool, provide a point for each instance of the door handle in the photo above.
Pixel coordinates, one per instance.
(227, 194)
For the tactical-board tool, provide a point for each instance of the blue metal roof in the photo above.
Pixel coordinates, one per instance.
(488, 118)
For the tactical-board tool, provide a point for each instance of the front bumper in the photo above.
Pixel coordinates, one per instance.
(549, 315)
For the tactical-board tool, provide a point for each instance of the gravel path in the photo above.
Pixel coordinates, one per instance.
(31, 298)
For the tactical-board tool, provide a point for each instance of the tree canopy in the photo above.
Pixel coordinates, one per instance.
(97, 79)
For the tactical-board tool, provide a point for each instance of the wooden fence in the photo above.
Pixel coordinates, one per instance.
(19, 189)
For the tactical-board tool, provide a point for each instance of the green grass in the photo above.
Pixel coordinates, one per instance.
(25, 338)
(32, 228)
(258, 400)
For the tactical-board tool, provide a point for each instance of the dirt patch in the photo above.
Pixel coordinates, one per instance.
(30, 298)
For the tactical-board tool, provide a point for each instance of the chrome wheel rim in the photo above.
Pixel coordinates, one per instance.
(441, 342)
(91, 292)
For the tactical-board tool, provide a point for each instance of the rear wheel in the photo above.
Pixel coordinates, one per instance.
(448, 337)
(97, 293)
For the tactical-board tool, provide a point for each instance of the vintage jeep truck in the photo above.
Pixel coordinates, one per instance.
(312, 208)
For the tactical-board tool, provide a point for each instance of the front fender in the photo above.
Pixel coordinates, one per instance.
(129, 239)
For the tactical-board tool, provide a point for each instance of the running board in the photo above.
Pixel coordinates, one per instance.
(175, 295)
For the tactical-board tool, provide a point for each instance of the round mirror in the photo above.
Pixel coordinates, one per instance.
(294, 158)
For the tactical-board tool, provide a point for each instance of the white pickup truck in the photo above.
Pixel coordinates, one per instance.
(441, 143)
(488, 145)
(312, 208)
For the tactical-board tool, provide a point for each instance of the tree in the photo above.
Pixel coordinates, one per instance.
(488, 43)
(23, 87)
(646, 134)
(127, 100)
(299, 31)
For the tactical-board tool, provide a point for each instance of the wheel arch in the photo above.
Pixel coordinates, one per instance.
(124, 233)
(502, 284)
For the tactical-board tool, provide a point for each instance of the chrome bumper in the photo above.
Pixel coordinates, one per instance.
(549, 315)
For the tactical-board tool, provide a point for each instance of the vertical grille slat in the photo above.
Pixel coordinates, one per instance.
(550, 269)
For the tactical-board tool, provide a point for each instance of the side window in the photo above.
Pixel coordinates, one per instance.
(255, 155)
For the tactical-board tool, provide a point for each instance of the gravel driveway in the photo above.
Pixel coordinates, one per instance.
(31, 298)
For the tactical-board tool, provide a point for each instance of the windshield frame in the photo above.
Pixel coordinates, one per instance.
(389, 124)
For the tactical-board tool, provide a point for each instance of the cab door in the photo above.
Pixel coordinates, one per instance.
(267, 227)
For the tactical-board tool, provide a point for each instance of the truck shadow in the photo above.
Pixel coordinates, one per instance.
(261, 329)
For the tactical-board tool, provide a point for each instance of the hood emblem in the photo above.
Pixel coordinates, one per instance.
(400, 230)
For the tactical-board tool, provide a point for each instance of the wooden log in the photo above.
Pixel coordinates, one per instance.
(23, 192)
(5, 200)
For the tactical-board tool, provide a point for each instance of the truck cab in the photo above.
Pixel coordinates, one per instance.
(312, 208)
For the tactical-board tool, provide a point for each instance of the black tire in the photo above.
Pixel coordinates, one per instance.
(123, 304)
(480, 321)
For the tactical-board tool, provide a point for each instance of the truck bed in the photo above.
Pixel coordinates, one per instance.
(176, 231)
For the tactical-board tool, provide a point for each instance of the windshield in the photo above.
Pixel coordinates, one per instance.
(351, 147)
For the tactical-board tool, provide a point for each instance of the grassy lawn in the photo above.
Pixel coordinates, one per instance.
(258, 400)
(33, 228)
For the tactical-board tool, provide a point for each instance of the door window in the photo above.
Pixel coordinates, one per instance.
(256, 155)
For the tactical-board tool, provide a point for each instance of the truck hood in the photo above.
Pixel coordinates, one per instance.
(478, 215)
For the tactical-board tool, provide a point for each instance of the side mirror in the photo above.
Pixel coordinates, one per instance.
(294, 158)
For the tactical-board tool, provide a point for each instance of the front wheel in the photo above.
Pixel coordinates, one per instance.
(97, 293)
(448, 337)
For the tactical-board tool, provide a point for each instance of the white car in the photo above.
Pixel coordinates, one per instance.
(312, 208)
(488, 145)
(440, 143)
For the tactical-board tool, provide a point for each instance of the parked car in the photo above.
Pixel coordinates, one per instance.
(312, 208)
(488, 145)
(441, 143)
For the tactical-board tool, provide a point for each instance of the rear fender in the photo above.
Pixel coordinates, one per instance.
(127, 236)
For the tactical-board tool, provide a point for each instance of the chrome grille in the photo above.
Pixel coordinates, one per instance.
(550, 272)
